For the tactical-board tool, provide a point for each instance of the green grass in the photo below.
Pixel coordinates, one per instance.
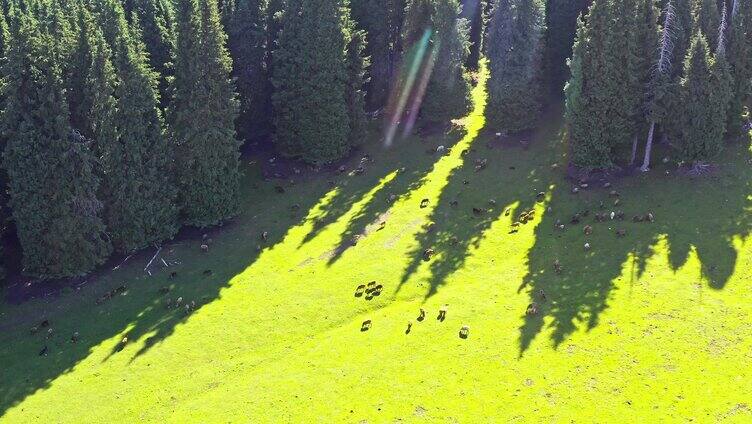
(652, 327)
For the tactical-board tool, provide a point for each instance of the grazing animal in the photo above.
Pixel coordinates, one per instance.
(620, 215)
(207, 272)
(173, 274)
(621, 232)
(617, 202)
(442, 313)
(279, 189)
(587, 246)
(477, 211)
(164, 290)
(464, 332)
(427, 254)
(34, 330)
(265, 235)
(45, 323)
(637, 218)
(122, 343)
(74, 337)
(650, 217)
(613, 193)
(360, 290)
(44, 351)
(422, 314)
(382, 225)
(542, 295)
(424, 203)
(465, 182)
(532, 309)
(366, 325)
(575, 219)
(371, 285)
(588, 230)
(601, 205)
(409, 327)
(575, 190)
(204, 247)
(454, 203)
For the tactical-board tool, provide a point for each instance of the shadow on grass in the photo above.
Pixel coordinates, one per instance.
(707, 216)
(140, 311)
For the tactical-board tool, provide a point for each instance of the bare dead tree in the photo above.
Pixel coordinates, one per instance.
(662, 72)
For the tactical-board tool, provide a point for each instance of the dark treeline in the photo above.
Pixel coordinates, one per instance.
(122, 120)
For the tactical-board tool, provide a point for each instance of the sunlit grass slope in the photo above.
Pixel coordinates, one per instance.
(655, 326)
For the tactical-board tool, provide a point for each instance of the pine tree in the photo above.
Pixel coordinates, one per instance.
(703, 123)
(515, 46)
(202, 115)
(447, 92)
(50, 169)
(247, 45)
(311, 82)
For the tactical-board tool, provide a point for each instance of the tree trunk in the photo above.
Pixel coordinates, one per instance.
(648, 148)
(634, 150)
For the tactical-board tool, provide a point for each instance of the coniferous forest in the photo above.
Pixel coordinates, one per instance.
(393, 145)
(123, 122)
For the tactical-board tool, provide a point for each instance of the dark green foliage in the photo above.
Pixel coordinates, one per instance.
(202, 115)
(594, 115)
(561, 26)
(357, 64)
(474, 12)
(50, 168)
(311, 82)
(448, 90)
(703, 111)
(157, 28)
(708, 19)
(515, 46)
(247, 45)
(382, 21)
(739, 54)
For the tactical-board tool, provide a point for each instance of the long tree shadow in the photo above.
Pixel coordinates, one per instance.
(130, 303)
(572, 283)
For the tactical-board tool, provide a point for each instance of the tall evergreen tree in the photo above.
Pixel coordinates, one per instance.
(138, 188)
(708, 19)
(515, 47)
(740, 60)
(247, 45)
(156, 19)
(660, 86)
(357, 64)
(310, 78)
(382, 21)
(50, 169)
(561, 27)
(594, 119)
(703, 123)
(202, 115)
(473, 11)
(447, 92)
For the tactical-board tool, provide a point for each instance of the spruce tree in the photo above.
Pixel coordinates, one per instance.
(247, 45)
(473, 11)
(703, 123)
(447, 92)
(740, 60)
(50, 169)
(561, 27)
(357, 63)
(310, 78)
(708, 19)
(660, 86)
(202, 115)
(515, 46)
(382, 22)
(138, 188)
(594, 118)
(156, 19)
